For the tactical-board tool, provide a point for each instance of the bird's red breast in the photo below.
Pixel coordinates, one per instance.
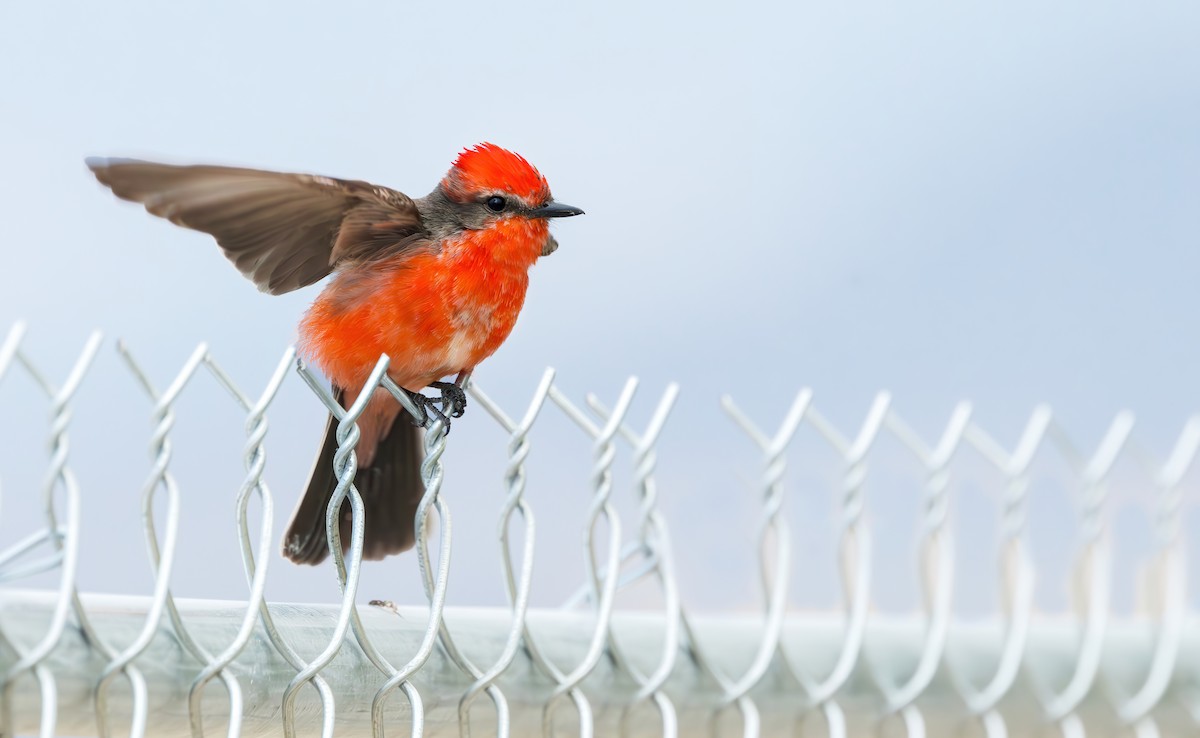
(434, 313)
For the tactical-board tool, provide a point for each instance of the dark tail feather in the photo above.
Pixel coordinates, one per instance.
(391, 488)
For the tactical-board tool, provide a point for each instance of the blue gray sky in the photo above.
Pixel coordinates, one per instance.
(948, 202)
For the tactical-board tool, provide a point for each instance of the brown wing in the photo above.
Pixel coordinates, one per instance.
(283, 231)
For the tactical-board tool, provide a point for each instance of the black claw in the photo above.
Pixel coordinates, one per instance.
(425, 405)
(429, 406)
(453, 399)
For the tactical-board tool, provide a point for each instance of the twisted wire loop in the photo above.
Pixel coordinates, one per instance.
(1015, 569)
(161, 554)
(601, 580)
(435, 585)
(655, 543)
(254, 458)
(1093, 570)
(775, 587)
(517, 586)
(64, 537)
(345, 464)
(936, 560)
(345, 467)
(1168, 583)
(854, 543)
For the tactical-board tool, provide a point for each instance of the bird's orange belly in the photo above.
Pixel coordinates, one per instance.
(434, 316)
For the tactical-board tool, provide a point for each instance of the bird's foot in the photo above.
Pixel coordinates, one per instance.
(429, 409)
(453, 399)
(451, 404)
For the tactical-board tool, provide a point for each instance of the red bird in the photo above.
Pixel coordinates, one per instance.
(436, 283)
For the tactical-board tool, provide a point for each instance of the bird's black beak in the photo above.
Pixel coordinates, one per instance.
(554, 210)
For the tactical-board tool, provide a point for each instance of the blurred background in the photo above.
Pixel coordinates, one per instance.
(946, 202)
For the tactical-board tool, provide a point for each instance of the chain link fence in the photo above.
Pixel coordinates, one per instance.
(95, 664)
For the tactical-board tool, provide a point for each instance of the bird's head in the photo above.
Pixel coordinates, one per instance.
(488, 184)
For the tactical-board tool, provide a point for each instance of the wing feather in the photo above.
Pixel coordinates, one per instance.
(283, 231)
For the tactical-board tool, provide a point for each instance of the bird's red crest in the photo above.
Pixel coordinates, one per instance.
(489, 168)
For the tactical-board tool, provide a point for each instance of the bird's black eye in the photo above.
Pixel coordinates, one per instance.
(496, 203)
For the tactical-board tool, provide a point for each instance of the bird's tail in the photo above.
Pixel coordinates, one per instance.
(390, 487)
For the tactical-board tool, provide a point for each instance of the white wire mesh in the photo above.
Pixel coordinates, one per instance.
(590, 669)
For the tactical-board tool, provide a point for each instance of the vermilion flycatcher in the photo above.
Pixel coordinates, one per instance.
(436, 283)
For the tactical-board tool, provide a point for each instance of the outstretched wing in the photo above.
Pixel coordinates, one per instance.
(283, 231)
